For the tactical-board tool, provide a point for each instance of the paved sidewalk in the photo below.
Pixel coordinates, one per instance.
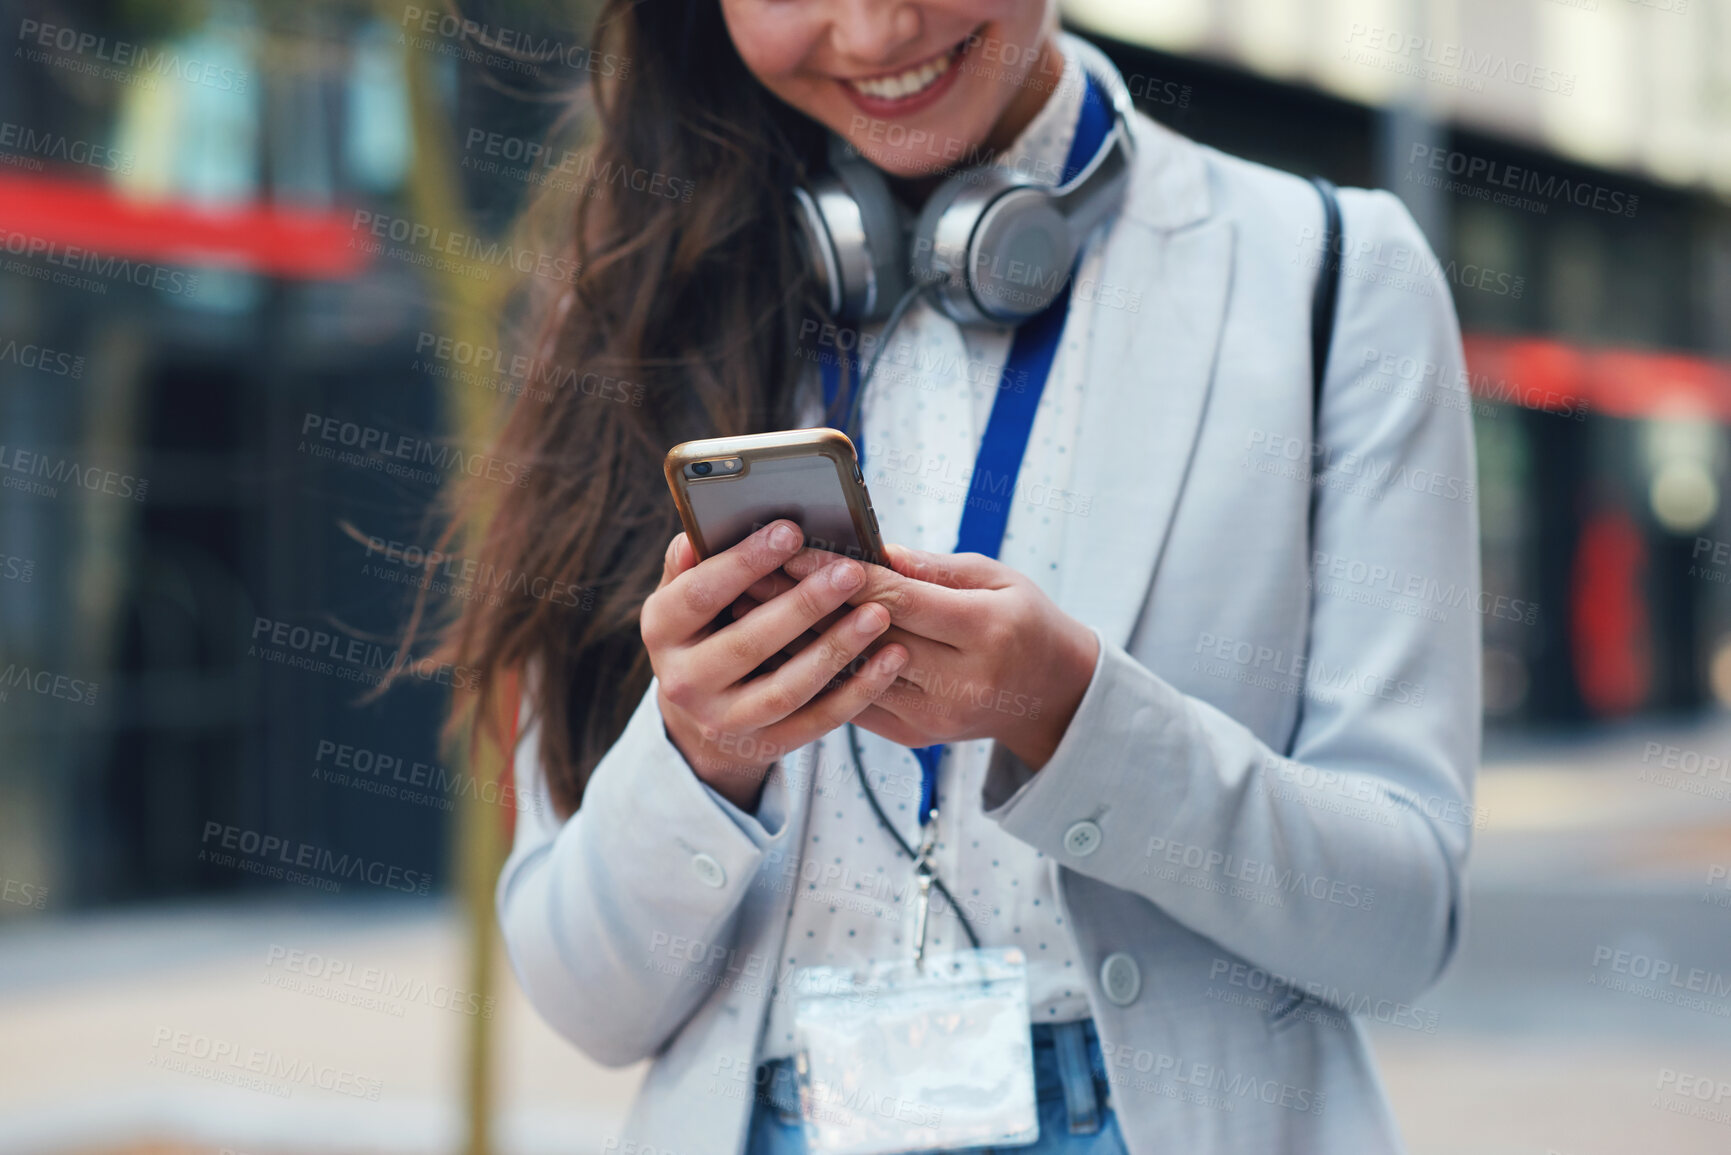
(1588, 849)
(1630, 808)
(107, 1058)
(1591, 848)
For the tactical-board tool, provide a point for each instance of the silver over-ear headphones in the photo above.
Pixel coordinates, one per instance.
(992, 246)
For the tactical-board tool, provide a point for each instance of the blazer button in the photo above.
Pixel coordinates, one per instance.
(708, 871)
(1121, 979)
(1082, 839)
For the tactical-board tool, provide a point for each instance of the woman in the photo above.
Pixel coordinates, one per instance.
(1210, 750)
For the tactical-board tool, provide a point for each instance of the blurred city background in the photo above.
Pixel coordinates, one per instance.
(231, 232)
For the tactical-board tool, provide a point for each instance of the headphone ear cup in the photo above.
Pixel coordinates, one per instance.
(1020, 256)
(995, 247)
(926, 263)
(883, 229)
(813, 229)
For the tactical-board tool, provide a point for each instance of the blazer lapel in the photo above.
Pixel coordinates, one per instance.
(1149, 374)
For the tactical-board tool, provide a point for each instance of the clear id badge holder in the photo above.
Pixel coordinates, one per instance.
(916, 1056)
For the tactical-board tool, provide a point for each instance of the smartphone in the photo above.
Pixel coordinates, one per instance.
(728, 488)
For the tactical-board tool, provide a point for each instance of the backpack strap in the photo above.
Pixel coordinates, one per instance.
(1326, 293)
(1322, 308)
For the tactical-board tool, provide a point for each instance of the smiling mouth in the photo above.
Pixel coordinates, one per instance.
(909, 82)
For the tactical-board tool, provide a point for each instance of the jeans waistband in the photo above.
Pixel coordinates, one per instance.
(1067, 1064)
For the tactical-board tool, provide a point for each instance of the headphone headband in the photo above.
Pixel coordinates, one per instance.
(991, 245)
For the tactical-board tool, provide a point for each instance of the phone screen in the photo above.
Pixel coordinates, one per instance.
(805, 490)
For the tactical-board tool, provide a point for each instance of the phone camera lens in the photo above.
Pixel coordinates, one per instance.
(702, 468)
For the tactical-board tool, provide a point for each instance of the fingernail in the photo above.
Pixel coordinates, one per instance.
(892, 660)
(846, 575)
(783, 537)
(870, 621)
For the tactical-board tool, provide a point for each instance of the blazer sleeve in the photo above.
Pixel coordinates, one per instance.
(1356, 843)
(618, 919)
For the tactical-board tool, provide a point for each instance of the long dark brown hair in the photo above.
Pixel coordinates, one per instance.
(695, 304)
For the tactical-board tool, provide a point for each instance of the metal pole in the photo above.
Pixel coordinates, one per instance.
(1408, 120)
(469, 306)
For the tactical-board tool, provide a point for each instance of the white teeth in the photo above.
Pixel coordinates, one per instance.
(905, 84)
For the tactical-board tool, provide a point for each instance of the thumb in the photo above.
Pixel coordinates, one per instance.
(957, 571)
(679, 558)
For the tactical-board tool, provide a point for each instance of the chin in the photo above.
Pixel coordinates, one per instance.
(918, 150)
(910, 166)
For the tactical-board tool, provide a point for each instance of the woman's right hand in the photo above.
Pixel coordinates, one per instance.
(730, 726)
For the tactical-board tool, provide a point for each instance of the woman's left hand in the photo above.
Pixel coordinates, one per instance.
(990, 655)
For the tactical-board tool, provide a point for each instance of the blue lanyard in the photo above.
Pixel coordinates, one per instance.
(993, 485)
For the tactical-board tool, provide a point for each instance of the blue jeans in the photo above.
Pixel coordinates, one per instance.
(1069, 1080)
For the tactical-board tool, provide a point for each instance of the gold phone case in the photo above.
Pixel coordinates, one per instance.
(782, 449)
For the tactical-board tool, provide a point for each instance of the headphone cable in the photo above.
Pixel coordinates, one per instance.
(884, 821)
(890, 323)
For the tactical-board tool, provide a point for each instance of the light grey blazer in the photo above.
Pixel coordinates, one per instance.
(1230, 904)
